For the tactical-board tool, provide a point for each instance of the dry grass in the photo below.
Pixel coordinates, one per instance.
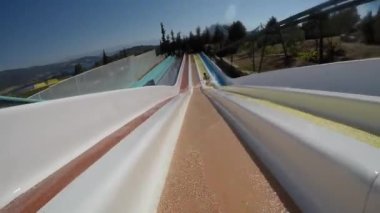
(274, 58)
(360, 51)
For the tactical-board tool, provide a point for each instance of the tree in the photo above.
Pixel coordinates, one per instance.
(293, 34)
(218, 36)
(206, 36)
(271, 30)
(236, 32)
(198, 32)
(78, 69)
(163, 36)
(167, 38)
(172, 44)
(105, 58)
(172, 34)
(198, 41)
(164, 42)
(185, 44)
(341, 22)
(178, 42)
(376, 27)
(311, 29)
(191, 42)
(366, 26)
(123, 53)
(272, 35)
(97, 64)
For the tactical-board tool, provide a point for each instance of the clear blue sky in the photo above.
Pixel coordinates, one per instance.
(35, 32)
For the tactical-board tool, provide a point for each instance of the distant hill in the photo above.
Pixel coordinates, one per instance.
(18, 78)
(136, 50)
(15, 79)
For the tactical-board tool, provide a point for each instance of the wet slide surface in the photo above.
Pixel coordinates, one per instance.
(210, 170)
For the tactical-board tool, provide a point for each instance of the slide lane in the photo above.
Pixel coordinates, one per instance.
(353, 77)
(201, 70)
(262, 125)
(363, 113)
(283, 137)
(211, 170)
(214, 71)
(130, 177)
(170, 77)
(196, 76)
(85, 174)
(208, 68)
(184, 87)
(116, 75)
(155, 74)
(57, 141)
(315, 163)
(36, 197)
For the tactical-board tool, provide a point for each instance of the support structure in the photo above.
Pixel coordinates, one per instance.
(253, 56)
(320, 26)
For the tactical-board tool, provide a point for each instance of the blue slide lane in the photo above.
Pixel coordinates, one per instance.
(170, 77)
(214, 70)
(156, 73)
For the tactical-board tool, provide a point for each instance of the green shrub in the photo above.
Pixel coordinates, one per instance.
(293, 50)
(309, 56)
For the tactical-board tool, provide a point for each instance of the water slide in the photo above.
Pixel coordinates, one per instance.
(157, 73)
(309, 138)
(169, 78)
(199, 145)
(6, 101)
(120, 74)
(353, 77)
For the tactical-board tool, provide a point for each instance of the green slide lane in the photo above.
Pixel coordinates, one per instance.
(156, 73)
